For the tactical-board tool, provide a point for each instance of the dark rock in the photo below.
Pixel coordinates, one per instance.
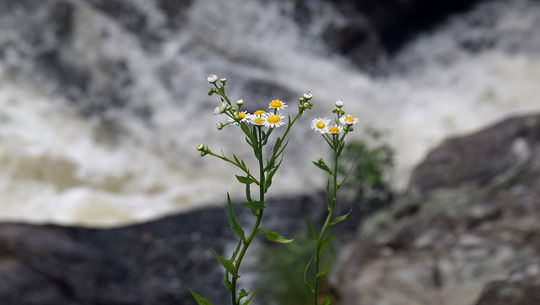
(510, 293)
(469, 218)
(150, 263)
(363, 30)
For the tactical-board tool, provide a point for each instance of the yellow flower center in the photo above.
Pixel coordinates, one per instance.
(320, 125)
(258, 120)
(258, 112)
(242, 114)
(276, 104)
(349, 119)
(273, 118)
(333, 129)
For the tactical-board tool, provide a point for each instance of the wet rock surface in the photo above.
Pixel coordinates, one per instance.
(468, 220)
(150, 263)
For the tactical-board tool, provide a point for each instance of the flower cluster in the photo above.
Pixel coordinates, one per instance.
(258, 128)
(269, 119)
(343, 123)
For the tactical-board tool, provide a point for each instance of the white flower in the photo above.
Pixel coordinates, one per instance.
(274, 120)
(212, 78)
(320, 124)
(244, 116)
(339, 103)
(277, 104)
(258, 118)
(348, 120)
(240, 102)
(335, 129)
(308, 95)
(220, 108)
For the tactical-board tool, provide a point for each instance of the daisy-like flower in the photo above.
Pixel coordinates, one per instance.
(335, 129)
(220, 108)
(212, 78)
(320, 124)
(274, 120)
(348, 120)
(339, 103)
(258, 118)
(277, 104)
(244, 116)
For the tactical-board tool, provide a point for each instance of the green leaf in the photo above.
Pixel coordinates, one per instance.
(275, 237)
(340, 218)
(246, 302)
(310, 228)
(244, 180)
(227, 282)
(254, 205)
(226, 263)
(322, 166)
(324, 243)
(235, 226)
(200, 300)
(322, 273)
(306, 282)
(242, 294)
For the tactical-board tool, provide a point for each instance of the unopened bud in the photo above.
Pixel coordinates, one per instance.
(212, 78)
(307, 105)
(307, 95)
(301, 99)
(223, 80)
(219, 126)
(240, 102)
(211, 91)
(339, 103)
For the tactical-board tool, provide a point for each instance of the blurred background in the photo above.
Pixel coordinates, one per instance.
(103, 102)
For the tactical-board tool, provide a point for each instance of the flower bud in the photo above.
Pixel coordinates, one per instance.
(301, 99)
(307, 95)
(223, 80)
(212, 78)
(219, 126)
(339, 103)
(211, 91)
(240, 102)
(307, 105)
(203, 149)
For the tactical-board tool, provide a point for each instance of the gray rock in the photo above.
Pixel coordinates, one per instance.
(470, 217)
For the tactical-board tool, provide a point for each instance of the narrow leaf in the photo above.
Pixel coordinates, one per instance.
(227, 282)
(340, 218)
(226, 263)
(235, 226)
(306, 281)
(242, 294)
(310, 228)
(246, 302)
(276, 237)
(244, 180)
(200, 300)
(322, 166)
(322, 273)
(324, 243)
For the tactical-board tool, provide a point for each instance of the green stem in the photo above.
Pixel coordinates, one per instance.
(327, 220)
(255, 228)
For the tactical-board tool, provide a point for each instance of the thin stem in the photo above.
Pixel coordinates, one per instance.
(328, 219)
(255, 228)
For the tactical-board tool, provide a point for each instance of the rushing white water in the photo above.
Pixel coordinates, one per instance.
(60, 166)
